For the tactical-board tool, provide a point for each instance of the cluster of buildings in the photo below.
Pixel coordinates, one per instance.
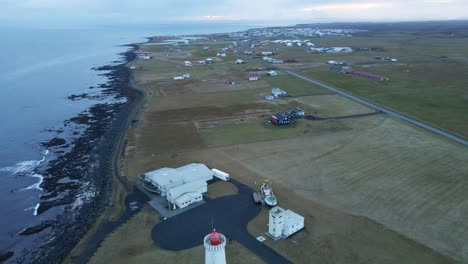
(332, 50)
(386, 58)
(182, 186)
(337, 63)
(206, 61)
(285, 118)
(271, 60)
(296, 42)
(295, 31)
(276, 93)
(144, 55)
(182, 77)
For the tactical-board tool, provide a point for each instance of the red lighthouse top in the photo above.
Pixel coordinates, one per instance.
(215, 238)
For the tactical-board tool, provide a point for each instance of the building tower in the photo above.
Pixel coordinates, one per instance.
(214, 248)
(276, 222)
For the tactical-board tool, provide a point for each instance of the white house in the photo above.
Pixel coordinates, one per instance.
(186, 76)
(266, 53)
(187, 63)
(178, 78)
(393, 60)
(283, 223)
(289, 44)
(239, 61)
(253, 77)
(277, 92)
(272, 73)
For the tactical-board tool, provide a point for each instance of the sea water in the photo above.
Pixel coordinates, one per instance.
(39, 69)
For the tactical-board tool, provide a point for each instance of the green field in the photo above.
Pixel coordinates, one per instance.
(428, 82)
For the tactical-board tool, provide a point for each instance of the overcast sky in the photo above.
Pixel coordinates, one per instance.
(90, 12)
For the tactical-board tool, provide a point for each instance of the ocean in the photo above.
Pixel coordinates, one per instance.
(40, 70)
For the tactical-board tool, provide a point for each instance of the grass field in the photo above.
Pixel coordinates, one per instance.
(428, 83)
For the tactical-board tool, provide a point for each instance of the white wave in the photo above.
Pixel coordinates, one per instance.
(35, 209)
(37, 185)
(25, 167)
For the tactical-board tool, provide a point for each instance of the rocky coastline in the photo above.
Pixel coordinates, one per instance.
(80, 179)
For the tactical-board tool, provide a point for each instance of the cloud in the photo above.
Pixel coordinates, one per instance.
(167, 11)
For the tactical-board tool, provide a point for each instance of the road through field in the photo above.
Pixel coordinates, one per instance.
(380, 108)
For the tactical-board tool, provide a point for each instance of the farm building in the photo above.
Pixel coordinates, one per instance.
(253, 77)
(165, 179)
(188, 63)
(277, 92)
(366, 74)
(281, 119)
(239, 62)
(284, 223)
(265, 53)
(272, 73)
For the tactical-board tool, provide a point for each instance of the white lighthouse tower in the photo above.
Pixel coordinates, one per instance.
(214, 248)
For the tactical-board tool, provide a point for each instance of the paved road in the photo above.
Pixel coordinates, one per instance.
(382, 109)
(230, 215)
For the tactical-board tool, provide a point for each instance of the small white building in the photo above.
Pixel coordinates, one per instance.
(178, 78)
(186, 76)
(188, 63)
(254, 77)
(266, 53)
(220, 174)
(277, 92)
(283, 223)
(239, 61)
(393, 60)
(272, 73)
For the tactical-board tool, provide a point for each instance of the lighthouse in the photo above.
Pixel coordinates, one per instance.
(214, 248)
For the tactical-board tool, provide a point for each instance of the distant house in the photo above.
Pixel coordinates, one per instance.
(266, 53)
(248, 52)
(253, 77)
(366, 74)
(209, 61)
(272, 73)
(186, 76)
(188, 63)
(280, 119)
(289, 44)
(277, 92)
(202, 62)
(393, 60)
(239, 62)
(177, 78)
(132, 68)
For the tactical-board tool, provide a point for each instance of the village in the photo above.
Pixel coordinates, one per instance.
(229, 142)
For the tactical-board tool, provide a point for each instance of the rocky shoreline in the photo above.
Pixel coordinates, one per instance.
(80, 178)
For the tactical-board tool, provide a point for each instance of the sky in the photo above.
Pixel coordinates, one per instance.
(98, 12)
